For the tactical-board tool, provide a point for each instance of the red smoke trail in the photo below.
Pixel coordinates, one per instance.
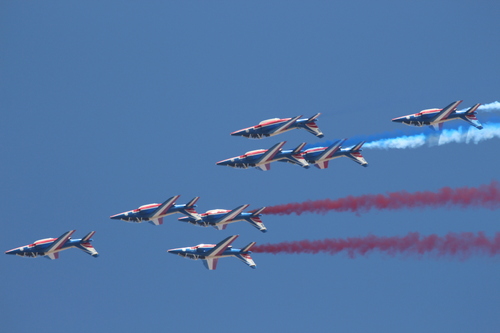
(485, 196)
(462, 244)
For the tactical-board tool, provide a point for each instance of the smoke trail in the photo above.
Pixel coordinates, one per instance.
(495, 106)
(460, 135)
(484, 196)
(452, 244)
(415, 137)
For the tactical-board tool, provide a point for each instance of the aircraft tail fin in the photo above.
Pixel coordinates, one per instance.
(299, 148)
(88, 237)
(258, 211)
(248, 247)
(355, 155)
(470, 116)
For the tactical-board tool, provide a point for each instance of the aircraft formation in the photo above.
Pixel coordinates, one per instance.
(261, 159)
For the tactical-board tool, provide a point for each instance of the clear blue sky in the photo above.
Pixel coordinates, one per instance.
(110, 105)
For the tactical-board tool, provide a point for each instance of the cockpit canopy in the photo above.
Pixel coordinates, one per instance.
(268, 120)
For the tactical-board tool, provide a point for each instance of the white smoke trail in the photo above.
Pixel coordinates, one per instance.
(460, 135)
(495, 106)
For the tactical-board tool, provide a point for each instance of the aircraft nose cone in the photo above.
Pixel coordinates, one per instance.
(237, 133)
(398, 120)
(11, 252)
(225, 162)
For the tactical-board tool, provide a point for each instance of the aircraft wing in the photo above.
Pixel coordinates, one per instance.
(444, 113)
(285, 125)
(221, 247)
(232, 214)
(58, 243)
(271, 152)
(164, 207)
(211, 263)
(331, 150)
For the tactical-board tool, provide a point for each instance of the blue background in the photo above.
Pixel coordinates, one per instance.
(110, 105)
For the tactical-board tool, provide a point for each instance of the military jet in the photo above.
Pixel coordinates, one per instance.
(220, 218)
(320, 156)
(262, 158)
(50, 247)
(211, 253)
(275, 126)
(155, 212)
(435, 118)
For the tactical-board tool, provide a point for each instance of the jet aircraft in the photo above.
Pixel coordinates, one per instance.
(51, 247)
(436, 117)
(220, 218)
(262, 158)
(277, 126)
(320, 156)
(211, 253)
(155, 212)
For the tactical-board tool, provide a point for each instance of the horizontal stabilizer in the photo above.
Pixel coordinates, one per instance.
(247, 259)
(88, 248)
(256, 222)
